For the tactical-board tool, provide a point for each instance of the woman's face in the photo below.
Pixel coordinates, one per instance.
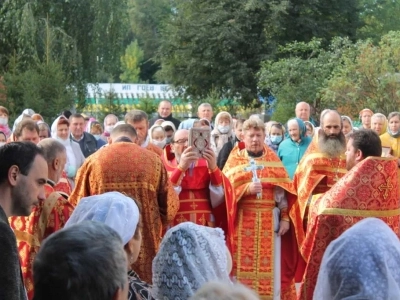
(239, 131)
(132, 249)
(346, 127)
(275, 131)
(2, 138)
(158, 135)
(394, 124)
(294, 132)
(309, 130)
(377, 125)
(62, 131)
(43, 134)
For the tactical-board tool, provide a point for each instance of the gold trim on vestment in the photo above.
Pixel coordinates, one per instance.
(28, 238)
(359, 213)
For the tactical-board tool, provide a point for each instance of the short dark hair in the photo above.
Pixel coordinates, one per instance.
(124, 129)
(84, 261)
(27, 123)
(20, 154)
(367, 141)
(75, 116)
(66, 113)
(135, 115)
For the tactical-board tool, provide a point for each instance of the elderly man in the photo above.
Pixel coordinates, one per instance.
(77, 263)
(125, 167)
(86, 141)
(109, 123)
(49, 216)
(165, 112)
(138, 119)
(303, 112)
(202, 188)
(27, 131)
(23, 174)
(259, 214)
(369, 189)
(204, 111)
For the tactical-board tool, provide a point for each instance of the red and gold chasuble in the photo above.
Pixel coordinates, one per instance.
(253, 220)
(315, 174)
(369, 189)
(48, 217)
(128, 168)
(194, 198)
(63, 186)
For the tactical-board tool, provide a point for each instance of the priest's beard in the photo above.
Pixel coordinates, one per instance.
(333, 145)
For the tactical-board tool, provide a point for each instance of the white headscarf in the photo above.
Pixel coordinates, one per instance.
(189, 256)
(363, 263)
(113, 209)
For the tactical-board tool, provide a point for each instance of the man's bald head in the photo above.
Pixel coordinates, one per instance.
(51, 149)
(303, 111)
(123, 130)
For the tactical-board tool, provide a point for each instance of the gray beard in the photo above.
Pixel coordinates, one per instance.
(332, 146)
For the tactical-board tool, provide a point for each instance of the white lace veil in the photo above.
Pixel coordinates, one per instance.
(189, 256)
(363, 263)
(113, 209)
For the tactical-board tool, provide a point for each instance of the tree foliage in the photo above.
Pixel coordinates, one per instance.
(130, 63)
(213, 45)
(368, 77)
(301, 75)
(146, 19)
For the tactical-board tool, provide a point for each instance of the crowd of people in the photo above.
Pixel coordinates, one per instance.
(127, 209)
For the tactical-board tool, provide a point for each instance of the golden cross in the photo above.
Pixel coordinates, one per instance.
(386, 188)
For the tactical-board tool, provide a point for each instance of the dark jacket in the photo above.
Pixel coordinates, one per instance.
(225, 152)
(88, 144)
(169, 118)
(11, 282)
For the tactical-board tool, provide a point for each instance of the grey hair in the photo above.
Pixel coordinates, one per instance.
(135, 115)
(84, 261)
(51, 148)
(224, 291)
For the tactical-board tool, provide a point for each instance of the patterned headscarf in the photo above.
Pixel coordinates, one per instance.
(189, 256)
(113, 209)
(363, 263)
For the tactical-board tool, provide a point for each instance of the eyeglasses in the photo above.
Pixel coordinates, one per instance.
(181, 142)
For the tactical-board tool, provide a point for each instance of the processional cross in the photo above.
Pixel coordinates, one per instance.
(253, 167)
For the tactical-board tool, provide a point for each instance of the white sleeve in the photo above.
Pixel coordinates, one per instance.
(217, 195)
(280, 197)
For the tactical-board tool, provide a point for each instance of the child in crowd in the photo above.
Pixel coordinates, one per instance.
(158, 136)
(274, 136)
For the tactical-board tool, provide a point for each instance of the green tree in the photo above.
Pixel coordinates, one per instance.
(368, 77)
(110, 104)
(146, 20)
(379, 17)
(130, 63)
(301, 74)
(213, 45)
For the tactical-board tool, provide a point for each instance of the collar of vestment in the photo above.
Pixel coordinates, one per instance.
(255, 154)
(123, 139)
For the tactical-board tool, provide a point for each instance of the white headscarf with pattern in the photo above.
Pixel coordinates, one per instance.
(363, 263)
(189, 256)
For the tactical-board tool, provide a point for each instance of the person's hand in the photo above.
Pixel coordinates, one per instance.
(209, 156)
(283, 227)
(188, 157)
(255, 188)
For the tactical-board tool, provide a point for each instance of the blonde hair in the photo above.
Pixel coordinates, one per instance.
(254, 122)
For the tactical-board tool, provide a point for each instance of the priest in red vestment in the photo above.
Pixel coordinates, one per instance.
(46, 218)
(204, 191)
(260, 213)
(127, 168)
(369, 189)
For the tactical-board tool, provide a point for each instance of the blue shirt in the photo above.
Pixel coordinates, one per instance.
(290, 153)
